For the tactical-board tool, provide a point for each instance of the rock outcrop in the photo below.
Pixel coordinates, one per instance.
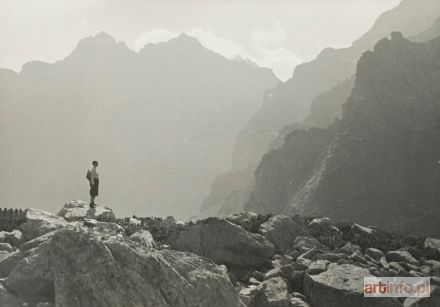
(40, 222)
(342, 286)
(213, 262)
(87, 271)
(282, 231)
(78, 210)
(225, 243)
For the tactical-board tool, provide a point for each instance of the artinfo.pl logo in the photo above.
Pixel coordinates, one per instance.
(397, 286)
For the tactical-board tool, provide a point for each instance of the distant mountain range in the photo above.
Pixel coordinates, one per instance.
(162, 123)
(379, 164)
(312, 98)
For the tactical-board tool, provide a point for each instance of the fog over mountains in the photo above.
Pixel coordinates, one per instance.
(311, 98)
(377, 165)
(161, 122)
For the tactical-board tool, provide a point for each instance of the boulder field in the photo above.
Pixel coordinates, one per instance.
(88, 257)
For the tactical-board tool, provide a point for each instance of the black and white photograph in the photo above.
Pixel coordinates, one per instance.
(220, 153)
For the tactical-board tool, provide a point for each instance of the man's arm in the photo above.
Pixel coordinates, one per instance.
(92, 176)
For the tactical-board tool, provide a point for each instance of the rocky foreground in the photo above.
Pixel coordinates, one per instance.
(87, 257)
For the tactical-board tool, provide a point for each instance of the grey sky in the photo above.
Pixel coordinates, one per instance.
(277, 34)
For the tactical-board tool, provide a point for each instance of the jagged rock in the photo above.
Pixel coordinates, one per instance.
(27, 280)
(299, 295)
(374, 253)
(434, 267)
(225, 243)
(317, 267)
(303, 262)
(15, 237)
(8, 262)
(143, 237)
(298, 302)
(78, 210)
(332, 257)
(4, 254)
(108, 228)
(242, 219)
(117, 272)
(363, 229)
(9, 300)
(258, 275)
(341, 286)
(247, 293)
(413, 250)
(90, 222)
(37, 241)
(284, 271)
(432, 301)
(350, 248)
(6, 247)
(40, 222)
(399, 256)
(322, 225)
(433, 247)
(272, 293)
(282, 231)
(306, 243)
(358, 257)
(432, 243)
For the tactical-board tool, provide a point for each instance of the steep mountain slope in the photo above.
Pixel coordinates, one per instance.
(290, 101)
(162, 122)
(381, 165)
(314, 95)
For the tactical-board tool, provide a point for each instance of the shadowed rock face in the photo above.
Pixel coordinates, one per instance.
(290, 102)
(127, 262)
(85, 271)
(225, 243)
(378, 165)
(313, 97)
(341, 286)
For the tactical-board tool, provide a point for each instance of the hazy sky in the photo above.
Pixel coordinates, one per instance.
(274, 33)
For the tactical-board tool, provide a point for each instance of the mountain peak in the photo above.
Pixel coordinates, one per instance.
(98, 45)
(102, 38)
(186, 40)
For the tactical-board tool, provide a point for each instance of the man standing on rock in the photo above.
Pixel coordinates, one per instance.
(93, 177)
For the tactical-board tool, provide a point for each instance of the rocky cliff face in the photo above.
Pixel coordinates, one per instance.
(162, 122)
(87, 257)
(313, 97)
(290, 101)
(381, 164)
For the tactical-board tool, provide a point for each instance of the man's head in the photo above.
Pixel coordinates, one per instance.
(95, 163)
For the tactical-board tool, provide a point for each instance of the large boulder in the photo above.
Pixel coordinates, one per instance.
(432, 243)
(39, 222)
(224, 242)
(342, 286)
(15, 237)
(282, 231)
(28, 281)
(77, 210)
(244, 219)
(143, 237)
(89, 272)
(272, 293)
(401, 256)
